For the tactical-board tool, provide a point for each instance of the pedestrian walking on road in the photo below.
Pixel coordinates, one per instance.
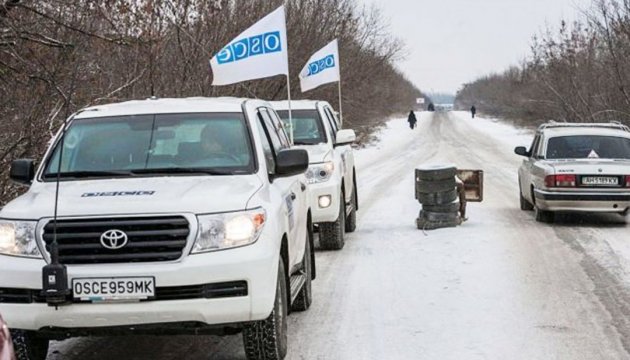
(473, 111)
(412, 120)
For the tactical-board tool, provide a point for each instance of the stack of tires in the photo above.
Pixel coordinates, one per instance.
(436, 190)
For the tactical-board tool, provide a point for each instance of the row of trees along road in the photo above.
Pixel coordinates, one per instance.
(58, 56)
(579, 73)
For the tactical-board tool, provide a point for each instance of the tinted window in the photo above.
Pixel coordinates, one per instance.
(588, 146)
(269, 155)
(308, 127)
(133, 143)
(272, 131)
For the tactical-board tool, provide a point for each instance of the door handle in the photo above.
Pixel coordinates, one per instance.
(293, 196)
(303, 186)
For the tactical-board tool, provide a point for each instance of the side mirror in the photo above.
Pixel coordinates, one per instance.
(345, 137)
(522, 151)
(22, 171)
(291, 162)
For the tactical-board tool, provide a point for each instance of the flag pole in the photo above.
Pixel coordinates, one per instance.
(340, 108)
(290, 112)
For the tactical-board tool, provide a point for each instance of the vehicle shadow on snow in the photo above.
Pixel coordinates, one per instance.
(590, 220)
(149, 348)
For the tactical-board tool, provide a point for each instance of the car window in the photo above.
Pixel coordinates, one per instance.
(270, 159)
(533, 150)
(272, 131)
(279, 126)
(588, 146)
(308, 126)
(331, 123)
(164, 141)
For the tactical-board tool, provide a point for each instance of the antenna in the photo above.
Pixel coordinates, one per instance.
(55, 275)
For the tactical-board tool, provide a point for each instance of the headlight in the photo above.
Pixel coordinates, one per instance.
(320, 173)
(224, 231)
(17, 238)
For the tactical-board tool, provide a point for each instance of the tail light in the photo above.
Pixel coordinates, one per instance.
(627, 182)
(565, 180)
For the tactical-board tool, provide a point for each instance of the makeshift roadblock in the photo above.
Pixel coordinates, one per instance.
(436, 190)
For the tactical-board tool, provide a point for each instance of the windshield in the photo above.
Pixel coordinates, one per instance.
(144, 144)
(588, 146)
(308, 127)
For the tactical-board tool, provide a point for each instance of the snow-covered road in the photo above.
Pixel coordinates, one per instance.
(501, 286)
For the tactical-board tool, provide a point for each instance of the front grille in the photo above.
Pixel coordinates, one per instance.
(205, 291)
(150, 239)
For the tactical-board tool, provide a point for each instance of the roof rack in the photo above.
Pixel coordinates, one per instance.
(611, 125)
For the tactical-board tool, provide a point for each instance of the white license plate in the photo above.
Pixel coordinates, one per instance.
(113, 289)
(600, 180)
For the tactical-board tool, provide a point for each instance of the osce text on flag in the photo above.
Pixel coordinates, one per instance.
(318, 66)
(256, 45)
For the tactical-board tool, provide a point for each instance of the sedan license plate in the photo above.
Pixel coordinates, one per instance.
(600, 180)
(113, 289)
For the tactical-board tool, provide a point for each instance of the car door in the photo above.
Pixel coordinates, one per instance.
(292, 188)
(344, 153)
(527, 169)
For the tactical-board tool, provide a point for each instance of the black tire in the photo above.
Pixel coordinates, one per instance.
(351, 220)
(440, 198)
(439, 217)
(424, 224)
(267, 339)
(28, 346)
(331, 234)
(445, 208)
(525, 205)
(428, 187)
(305, 296)
(543, 216)
(437, 172)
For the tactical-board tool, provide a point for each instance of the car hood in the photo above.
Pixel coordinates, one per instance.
(591, 167)
(317, 153)
(189, 194)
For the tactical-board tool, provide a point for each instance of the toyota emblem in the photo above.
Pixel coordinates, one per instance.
(114, 239)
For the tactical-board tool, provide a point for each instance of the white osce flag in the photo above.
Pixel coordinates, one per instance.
(259, 52)
(322, 68)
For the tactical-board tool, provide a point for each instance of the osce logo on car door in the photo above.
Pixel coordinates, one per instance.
(256, 45)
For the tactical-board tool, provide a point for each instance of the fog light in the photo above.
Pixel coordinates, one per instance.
(325, 201)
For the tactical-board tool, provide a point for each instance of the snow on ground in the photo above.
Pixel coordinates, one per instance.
(501, 286)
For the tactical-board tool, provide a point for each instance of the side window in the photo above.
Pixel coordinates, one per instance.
(533, 150)
(331, 123)
(272, 131)
(282, 134)
(270, 158)
(333, 117)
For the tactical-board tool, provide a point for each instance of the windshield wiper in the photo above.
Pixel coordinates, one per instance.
(87, 174)
(181, 171)
(297, 142)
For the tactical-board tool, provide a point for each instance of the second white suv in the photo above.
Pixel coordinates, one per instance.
(175, 216)
(332, 175)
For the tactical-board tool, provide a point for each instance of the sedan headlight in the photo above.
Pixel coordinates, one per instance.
(320, 173)
(224, 231)
(17, 238)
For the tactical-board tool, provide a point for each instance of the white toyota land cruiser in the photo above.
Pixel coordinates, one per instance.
(331, 175)
(178, 216)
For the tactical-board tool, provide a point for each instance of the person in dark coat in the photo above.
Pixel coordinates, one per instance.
(473, 111)
(412, 119)
(431, 107)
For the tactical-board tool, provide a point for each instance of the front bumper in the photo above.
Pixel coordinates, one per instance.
(255, 264)
(330, 188)
(582, 201)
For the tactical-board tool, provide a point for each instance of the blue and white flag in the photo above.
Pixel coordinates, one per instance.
(322, 68)
(259, 52)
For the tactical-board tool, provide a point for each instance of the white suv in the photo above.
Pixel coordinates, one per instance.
(576, 168)
(174, 216)
(331, 175)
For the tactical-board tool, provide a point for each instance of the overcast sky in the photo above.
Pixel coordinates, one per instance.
(451, 42)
